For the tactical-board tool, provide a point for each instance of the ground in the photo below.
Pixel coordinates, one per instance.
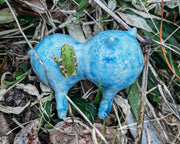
(23, 98)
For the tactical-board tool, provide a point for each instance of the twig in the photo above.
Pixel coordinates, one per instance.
(9, 132)
(172, 34)
(34, 6)
(164, 45)
(149, 16)
(169, 105)
(140, 122)
(158, 125)
(18, 123)
(148, 136)
(151, 90)
(175, 139)
(90, 16)
(164, 87)
(4, 92)
(118, 117)
(146, 121)
(167, 122)
(18, 24)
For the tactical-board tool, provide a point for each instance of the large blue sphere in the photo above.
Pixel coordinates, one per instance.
(112, 57)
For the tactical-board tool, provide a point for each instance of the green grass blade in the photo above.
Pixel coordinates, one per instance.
(42, 115)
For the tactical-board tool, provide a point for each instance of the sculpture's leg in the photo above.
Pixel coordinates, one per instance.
(61, 103)
(106, 103)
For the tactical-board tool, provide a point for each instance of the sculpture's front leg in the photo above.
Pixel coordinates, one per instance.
(106, 103)
(61, 102)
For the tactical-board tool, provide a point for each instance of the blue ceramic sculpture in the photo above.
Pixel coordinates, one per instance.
(112, 57)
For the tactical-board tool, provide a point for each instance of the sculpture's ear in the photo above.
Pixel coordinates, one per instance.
(111, 40)
(112, 43)
(132, 32)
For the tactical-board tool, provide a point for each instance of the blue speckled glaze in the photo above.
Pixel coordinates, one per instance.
(113, 57)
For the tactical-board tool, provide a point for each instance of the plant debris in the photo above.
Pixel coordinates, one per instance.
(23, 96)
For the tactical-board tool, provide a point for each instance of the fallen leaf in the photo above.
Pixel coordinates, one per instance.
(144, 14)
(28, 135)
(45, 88)
(149, 128)
(150, 4)
(57, 14)
(6, 16)
(35, 5)
(3, 85)
(58, 137)
(134, 98)
(135, 21)
(76, 32)
(4, 128)
(112, 5)
(13, 110)
(4, 140)
(123, 103)
(29, 88)
(87, 31)
(172, 4)
(41, 5)
(65, 131)
(2, 93)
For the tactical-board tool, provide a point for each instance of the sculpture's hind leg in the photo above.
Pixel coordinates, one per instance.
(106, 103)
(61, 102)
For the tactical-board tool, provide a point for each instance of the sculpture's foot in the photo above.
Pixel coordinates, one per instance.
(104, 109)
(61, 104)
(102, 114)
(62, 114)
(106, 104)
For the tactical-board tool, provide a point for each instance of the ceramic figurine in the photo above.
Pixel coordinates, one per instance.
(112, 57)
